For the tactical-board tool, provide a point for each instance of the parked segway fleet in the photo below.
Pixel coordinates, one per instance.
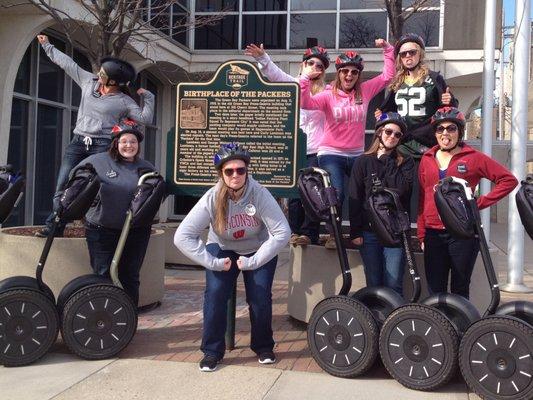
(496, 352)
(343, 330)
(29, 322)
(98, 318)
(419, 342)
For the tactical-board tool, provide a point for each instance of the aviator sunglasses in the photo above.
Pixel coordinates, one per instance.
(408, 53)
(312, 63)
(348, 71)
(230, 171)
(389, 132)
(449, 128)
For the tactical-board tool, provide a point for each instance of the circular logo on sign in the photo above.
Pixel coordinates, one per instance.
(250, 210)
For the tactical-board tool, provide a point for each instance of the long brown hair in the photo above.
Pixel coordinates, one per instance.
(402, 72)
(336, 86)
(221, 205)
(374, 147)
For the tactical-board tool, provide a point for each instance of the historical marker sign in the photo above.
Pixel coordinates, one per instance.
(237, 105)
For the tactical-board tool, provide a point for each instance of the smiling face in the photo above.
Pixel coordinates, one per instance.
(348, 77)
(128, 146)
(409, 55)
(447, 134)
(391, 135)
(234, 174)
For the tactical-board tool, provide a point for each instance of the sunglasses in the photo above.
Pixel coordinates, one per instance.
(408, 53)
(230, 171)
(450, 128)
(389, 132)
(313, 63)
(348, 71)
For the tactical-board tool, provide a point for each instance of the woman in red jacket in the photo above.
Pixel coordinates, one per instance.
(451, 157)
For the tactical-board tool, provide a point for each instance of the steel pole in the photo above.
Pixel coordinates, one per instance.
(487, 111)
(515, 236)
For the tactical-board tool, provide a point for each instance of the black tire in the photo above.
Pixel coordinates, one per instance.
(98, 322)
(29, 326)
(343, 337)
(76, 284)
(381, 301)
(495, 357)
(522, 310)
(418, 346)
(459, 310)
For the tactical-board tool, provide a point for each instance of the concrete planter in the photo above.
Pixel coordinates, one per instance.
(314, 274)
(69, 258)
(172, 254)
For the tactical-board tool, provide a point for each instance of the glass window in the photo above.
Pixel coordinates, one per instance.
(47, 159)
(313, 5)
(217, 5)
(307, 29)
(80, 59)
(222, 35)
(22, 81)
(180, 31)
(364, 4)
(426, 24)
(150, 144)
(429, 3)
(361, 29)
(264, 5)
(270, 30)
(51, 77)
(160, 16)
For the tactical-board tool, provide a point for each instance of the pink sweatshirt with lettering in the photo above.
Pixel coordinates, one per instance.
(344, 129)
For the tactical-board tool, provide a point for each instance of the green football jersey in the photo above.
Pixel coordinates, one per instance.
(417, 103)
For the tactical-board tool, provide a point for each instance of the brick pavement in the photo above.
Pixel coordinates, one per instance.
(173, 331)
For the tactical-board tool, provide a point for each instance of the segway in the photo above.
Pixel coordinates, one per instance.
(495, 355)
(29, 323)
(419, 342)
(11, 190)
(98, 318)
(343, 330)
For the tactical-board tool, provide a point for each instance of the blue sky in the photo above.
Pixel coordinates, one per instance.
(509, 7)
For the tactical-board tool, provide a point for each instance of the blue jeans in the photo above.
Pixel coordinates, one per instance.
(298, 220)
(102, 243)
(219, 288)
(383, 265)
(76, 152)
(339, 168)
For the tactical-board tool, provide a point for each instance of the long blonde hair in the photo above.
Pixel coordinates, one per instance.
(374, 147)
(402, 72)
(317, 85)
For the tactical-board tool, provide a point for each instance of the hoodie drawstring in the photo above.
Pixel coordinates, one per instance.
(88, 141)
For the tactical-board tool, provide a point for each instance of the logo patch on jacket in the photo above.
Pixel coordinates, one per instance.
(461, 168)
(111, 174)
(238, 234)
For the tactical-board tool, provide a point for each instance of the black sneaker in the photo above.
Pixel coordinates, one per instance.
(208, 363)
(267, 357)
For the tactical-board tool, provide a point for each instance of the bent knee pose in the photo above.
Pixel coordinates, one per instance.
(104, 103)
(444, 254)
(383, 265)
(247, 229)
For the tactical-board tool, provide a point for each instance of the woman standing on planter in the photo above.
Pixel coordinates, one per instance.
(118, 170)
(345, 107)
(383, 265)
(247, 229)
(444, 253)
(304, 231)
(103, 104)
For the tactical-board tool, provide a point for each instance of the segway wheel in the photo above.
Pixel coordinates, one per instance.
(98, 322)
(495, 357)
(29, 325)
(418, 346)
(343, 337)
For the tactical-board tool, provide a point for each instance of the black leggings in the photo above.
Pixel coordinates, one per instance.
(444, 253)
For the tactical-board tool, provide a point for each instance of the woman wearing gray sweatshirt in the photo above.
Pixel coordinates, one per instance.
(102, 105)
(247, 229)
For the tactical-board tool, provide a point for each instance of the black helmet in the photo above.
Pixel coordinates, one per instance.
(122, 72)
(408, 37)
(350, 58)
(127, 126)
(451, 114)
(391, 117)
(230, 151)
(318, 52)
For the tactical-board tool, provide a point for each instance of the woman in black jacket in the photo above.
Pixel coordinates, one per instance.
(383, 265)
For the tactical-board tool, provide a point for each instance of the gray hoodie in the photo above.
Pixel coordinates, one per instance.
(255, 224)
(98, 115)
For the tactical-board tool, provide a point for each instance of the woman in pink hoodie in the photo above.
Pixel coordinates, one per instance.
(345, 107)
